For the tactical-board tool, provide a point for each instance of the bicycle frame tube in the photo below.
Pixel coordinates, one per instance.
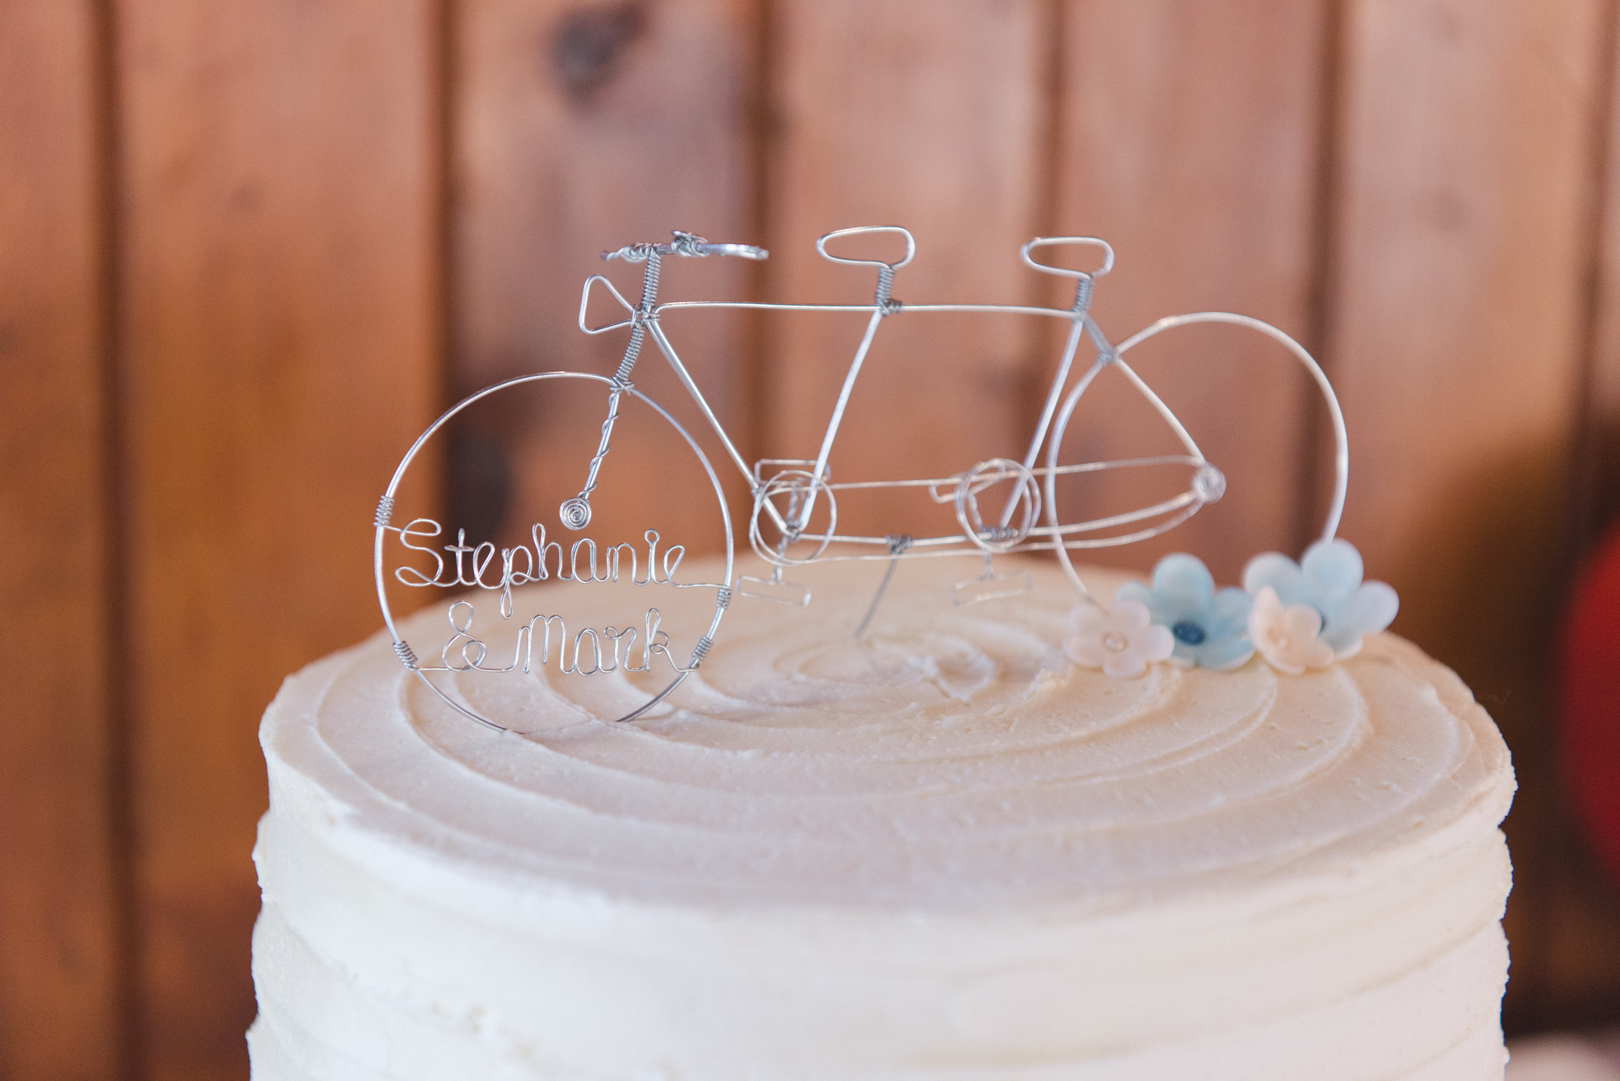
(820, 472)
(1070, 347)
(1081, 323)
(1029, 481)
(662, 341)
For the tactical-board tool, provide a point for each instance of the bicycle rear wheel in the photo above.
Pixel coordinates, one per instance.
(1205, 483)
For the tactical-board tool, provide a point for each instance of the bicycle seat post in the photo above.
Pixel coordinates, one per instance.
(1085, 283)
(883, 305)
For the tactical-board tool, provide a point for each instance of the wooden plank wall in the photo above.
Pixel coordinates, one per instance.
(1192, 137)
(963, 174)
(278, 338)
(62, 972)
(579, 129)
(248, 250)
(1468, 165)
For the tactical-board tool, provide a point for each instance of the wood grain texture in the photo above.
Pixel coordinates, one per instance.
(1580, 979)
(1598, 468)
(1465, 164)
(932, 116)
(280, 335)
(279, 260)
(1191, 140)
(580, 128)
(60, 954)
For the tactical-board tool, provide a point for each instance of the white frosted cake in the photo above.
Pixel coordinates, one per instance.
(941, 852)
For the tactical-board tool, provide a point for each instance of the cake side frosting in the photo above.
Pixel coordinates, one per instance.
(942, 851)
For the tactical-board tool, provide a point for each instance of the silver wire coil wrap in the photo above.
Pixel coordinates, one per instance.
(638, 327)
(688, 244)
(406, 655)
(723, 597)
(885, 283)
(1082, 294)
(701, 650)
(385, 512)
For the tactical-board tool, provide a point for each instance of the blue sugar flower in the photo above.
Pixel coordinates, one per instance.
(1328, 579)
(1209, 628)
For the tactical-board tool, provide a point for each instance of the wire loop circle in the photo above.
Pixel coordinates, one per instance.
(1209, 483)
(796, 484)
(1024, 501)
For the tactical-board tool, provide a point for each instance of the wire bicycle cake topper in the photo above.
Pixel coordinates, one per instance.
(1298, 616)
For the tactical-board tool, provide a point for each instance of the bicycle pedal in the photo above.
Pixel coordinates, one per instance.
(991, 587)
(789, 593)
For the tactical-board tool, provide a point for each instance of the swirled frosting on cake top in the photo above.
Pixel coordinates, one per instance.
(940, 849)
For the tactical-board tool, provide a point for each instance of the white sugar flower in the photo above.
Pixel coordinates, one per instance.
(1287, 637)
(1329, 580)
(1122, 642)
(1210, 628)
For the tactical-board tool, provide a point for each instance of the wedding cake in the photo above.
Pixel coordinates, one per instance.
(946, 849)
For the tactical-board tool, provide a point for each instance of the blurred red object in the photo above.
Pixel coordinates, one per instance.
(1591, 700)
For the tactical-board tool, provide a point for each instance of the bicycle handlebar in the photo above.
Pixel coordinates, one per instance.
(688, 244)
(745, 251)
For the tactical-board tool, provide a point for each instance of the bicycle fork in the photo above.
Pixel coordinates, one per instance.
(575, 512)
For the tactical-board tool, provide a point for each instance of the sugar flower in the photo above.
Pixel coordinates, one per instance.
(1288, 637)
(1122, 642)
(1209, 628)
(1328, 580)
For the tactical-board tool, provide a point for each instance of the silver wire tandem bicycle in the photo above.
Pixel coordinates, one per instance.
(1002, 505)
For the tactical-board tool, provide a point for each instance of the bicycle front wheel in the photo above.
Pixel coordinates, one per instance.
(620, 625)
